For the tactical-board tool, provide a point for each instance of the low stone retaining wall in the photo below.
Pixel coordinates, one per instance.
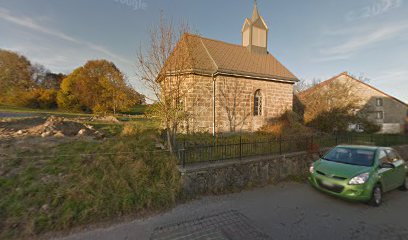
(236, 175)
(403, 151)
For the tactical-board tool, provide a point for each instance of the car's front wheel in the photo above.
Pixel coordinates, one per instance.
(376, 197)
(404, 186)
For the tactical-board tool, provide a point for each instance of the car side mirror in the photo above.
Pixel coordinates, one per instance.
(387, 165)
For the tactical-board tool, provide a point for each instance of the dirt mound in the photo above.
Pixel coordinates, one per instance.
(60, 127)
(49, 127)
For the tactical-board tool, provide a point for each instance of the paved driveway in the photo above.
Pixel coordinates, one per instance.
(285, 211)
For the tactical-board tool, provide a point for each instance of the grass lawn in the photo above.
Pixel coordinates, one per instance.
(58, 112)
(57, 185)
(135, 112)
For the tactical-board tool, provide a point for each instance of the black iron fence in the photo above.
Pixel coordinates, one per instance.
(220, 149)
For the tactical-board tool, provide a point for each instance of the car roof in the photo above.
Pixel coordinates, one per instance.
(362, 147)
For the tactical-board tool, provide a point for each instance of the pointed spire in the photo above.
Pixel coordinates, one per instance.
(255, 13)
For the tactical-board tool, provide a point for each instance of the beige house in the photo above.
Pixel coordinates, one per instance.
(233, 87)
(379, 107)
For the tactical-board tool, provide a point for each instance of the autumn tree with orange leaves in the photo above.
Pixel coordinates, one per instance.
(97, 87)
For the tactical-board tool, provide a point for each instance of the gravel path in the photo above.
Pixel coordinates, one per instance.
(285, 211)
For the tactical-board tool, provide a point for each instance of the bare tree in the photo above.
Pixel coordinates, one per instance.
(334, 95)
(332, 106)
(233, 103)
(361, 77)
(303, 84)
(163, 67)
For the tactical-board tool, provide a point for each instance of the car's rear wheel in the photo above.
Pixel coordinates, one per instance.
(404, 186)
(376, 197)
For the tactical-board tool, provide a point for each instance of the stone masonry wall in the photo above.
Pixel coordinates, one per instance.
(236, 175)
(234, 103)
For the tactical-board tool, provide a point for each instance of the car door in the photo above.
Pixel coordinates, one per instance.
(399, 171)
(386, 174)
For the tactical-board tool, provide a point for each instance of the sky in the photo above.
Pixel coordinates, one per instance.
(314, 39)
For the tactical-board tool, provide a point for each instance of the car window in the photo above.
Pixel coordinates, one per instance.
(393, 156)
(361, 157)
(383, 157)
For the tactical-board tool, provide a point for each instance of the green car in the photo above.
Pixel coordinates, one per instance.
(361, 173)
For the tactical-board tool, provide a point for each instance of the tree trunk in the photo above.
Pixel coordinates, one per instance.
(170, 140)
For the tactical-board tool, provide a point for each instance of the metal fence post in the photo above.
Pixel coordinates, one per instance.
(280, 144)
(184, 153)
(240, 147)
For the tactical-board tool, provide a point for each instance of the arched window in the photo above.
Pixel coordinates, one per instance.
(258, 103)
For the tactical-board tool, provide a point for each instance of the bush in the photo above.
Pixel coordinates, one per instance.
(368, 126)
(130, 129)
(288, 124)
(336, 120)
(339, 120)
(36, 98)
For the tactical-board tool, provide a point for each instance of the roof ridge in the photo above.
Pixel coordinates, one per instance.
(374, 88)
(209, 55)
(321, 84)
(353, 78)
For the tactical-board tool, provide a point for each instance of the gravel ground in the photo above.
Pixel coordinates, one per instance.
(285, 211)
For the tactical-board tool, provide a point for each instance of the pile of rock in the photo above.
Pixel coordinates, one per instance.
(61, 127)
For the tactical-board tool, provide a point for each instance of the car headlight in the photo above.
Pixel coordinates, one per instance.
(311, 169)
(360, 179)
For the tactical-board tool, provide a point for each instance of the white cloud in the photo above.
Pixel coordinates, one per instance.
(394, 75)
(332, 58)
(31, 24)
(389, 79)
(366, 39)
(349, 41)
(378, 8)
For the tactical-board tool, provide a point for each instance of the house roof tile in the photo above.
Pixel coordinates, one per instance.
(212, 56)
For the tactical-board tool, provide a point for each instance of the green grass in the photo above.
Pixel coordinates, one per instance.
(137, 110)
(59, 112)
(68, 189)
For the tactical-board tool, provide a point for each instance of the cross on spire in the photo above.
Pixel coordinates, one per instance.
(255, 14)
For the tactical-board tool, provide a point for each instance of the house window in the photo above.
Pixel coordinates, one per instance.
(258, 103)
(379, 115)
(360, 127)
(379, 102)
(181, 104)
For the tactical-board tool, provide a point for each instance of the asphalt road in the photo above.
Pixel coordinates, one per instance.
(15, 115)
(285, 211)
